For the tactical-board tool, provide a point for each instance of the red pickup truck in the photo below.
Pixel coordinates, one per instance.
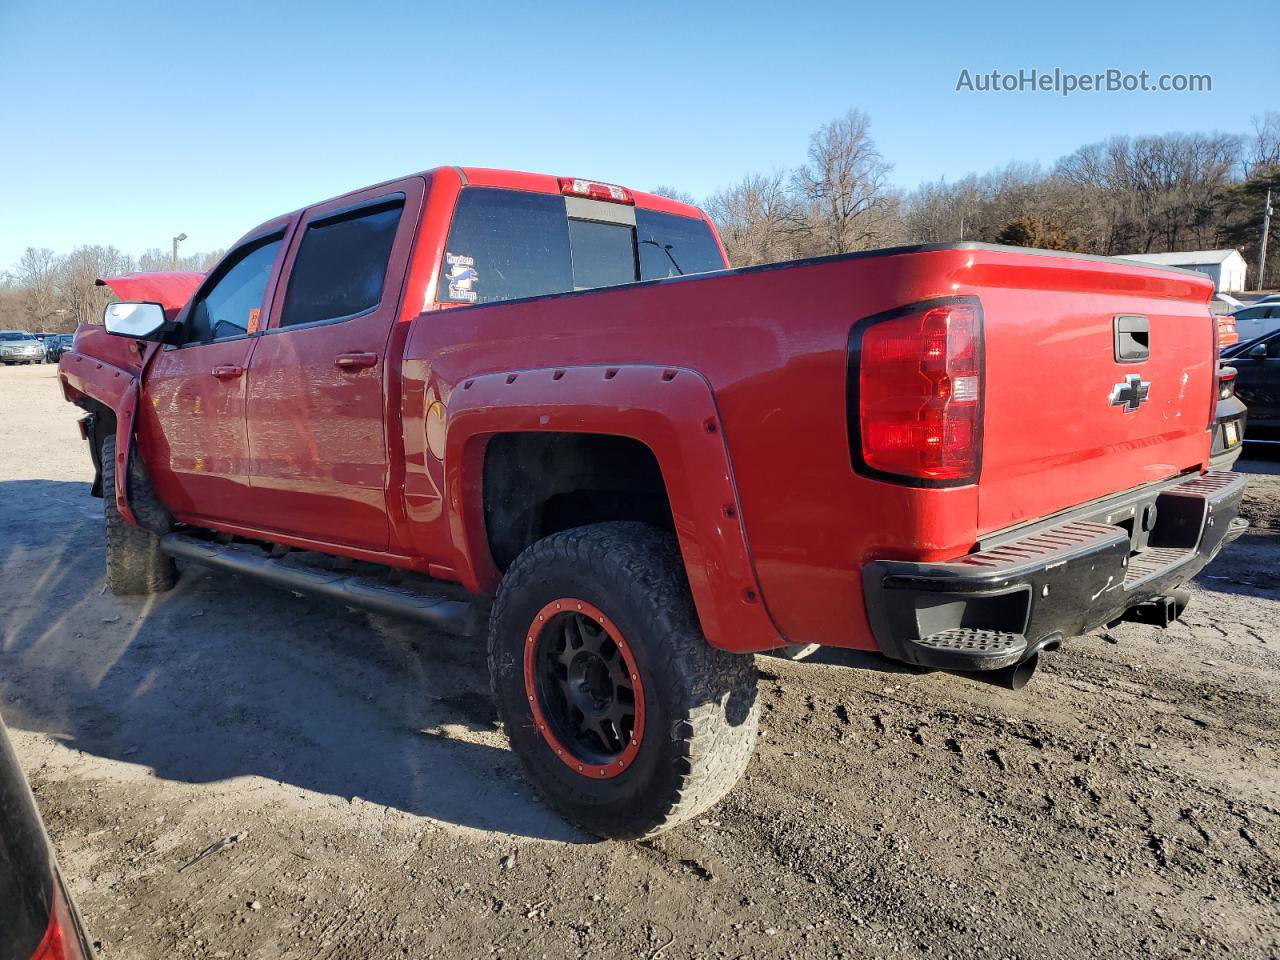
(544, 409)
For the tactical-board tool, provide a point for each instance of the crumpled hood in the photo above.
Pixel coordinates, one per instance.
(170, 290)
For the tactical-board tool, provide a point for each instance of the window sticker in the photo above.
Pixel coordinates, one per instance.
(255, 315)
(462, 277)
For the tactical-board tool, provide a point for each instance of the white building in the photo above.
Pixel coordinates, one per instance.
(1224, 267)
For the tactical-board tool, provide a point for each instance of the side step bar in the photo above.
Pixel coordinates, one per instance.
(447, 614)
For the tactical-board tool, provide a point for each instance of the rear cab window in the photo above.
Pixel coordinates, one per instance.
(509, 244)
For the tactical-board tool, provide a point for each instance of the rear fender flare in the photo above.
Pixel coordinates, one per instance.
(672, 411)
(117, 390)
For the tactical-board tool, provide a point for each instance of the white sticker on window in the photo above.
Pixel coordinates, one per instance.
(461, 273)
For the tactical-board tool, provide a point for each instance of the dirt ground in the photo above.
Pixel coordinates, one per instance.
(230, 770)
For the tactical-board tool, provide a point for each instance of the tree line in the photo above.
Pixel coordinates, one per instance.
(54, 293)
(1148, 194)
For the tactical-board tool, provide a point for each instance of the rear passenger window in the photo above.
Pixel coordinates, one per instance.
(505, 244)
(342, 264)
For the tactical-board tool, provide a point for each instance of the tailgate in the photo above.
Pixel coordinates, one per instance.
(1077, 407)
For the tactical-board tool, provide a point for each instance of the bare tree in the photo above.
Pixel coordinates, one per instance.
(156, 260)
(1262, 146)
(844, 186)
(674, 193)
(1151, 193)
(81, 299)
(36, 275)
(757, 219)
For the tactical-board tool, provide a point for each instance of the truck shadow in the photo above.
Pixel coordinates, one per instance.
(223, 677)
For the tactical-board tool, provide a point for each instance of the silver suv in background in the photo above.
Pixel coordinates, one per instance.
(19, 347)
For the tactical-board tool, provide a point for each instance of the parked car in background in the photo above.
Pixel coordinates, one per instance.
(1269, 298)
(1229, 426)
(56, 343)
(18, 346)
(1257, 320)
(37, 918)
(1257, 383)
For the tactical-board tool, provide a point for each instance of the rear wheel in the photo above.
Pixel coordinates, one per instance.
(626, 720)
(135, 562)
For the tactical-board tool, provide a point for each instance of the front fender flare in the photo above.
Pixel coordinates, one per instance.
(116, 389)
(673, 412)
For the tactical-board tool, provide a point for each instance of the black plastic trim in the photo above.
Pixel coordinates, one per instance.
(388, 200)
(443, 612)
(1076, 575)
(852, 377)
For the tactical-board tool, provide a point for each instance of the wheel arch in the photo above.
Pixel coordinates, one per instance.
(110, 393)
(666, 413)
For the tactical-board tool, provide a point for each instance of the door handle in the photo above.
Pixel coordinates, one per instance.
(355, 361)
(228, 373)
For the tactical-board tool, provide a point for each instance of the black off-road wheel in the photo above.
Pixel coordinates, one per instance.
(627, 721)
(135, 562)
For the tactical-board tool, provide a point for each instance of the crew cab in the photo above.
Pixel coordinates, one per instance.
(544, 410)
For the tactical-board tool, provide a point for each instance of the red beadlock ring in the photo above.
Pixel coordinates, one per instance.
(551, 727)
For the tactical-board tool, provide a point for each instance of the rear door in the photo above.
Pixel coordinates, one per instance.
(317, 388)
(192, 420)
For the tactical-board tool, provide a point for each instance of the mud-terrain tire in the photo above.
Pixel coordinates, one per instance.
(698, 708)
(796, 651)
(135, 563)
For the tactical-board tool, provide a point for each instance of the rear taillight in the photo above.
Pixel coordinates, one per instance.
(594, 190)
(60, 941)
(1226, 383)
(1227, 332)
(916, 393)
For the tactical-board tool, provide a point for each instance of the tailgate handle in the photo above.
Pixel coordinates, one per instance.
(1132, 339)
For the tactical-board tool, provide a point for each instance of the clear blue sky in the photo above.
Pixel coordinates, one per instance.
(127, 122)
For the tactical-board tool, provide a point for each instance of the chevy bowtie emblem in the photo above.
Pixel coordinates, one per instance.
(1131, 394)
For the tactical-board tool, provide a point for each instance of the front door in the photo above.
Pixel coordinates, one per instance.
(192, 415)
(317, 387)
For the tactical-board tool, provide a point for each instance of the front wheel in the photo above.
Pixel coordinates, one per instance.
(135, 562)
(626, 720)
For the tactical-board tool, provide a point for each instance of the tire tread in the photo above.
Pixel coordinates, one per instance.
(712, 749)
(135, 562)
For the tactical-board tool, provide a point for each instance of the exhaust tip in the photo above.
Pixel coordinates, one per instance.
(1018, 675)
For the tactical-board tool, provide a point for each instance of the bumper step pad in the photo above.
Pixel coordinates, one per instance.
(968, 648)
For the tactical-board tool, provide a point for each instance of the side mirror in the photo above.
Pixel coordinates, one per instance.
(140, 321)
(1258, 351)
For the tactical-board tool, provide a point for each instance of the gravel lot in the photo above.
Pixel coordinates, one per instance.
(233, 771)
